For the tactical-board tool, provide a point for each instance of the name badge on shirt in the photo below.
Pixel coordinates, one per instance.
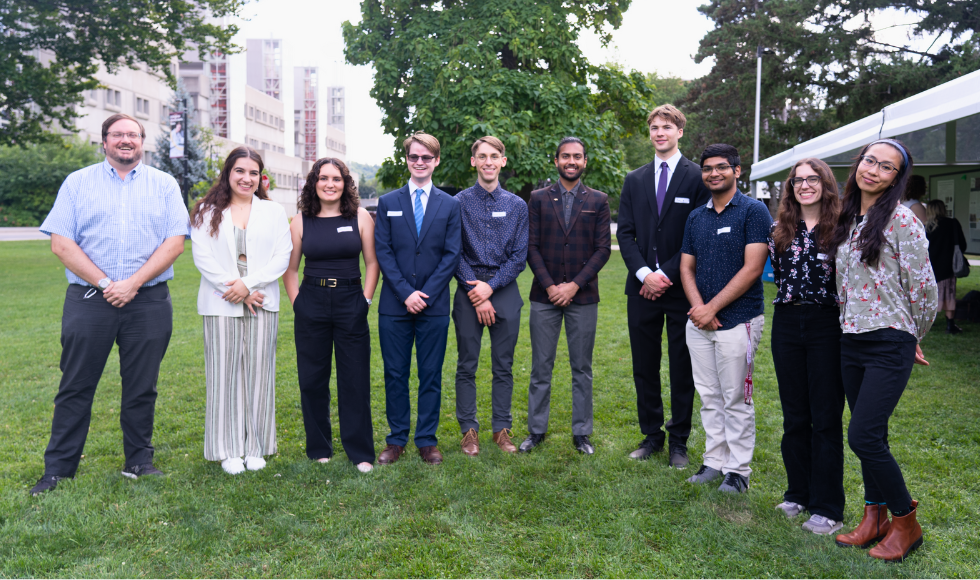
(348, 228)
(499, 214)
(821, 256)
(682, 200)
(725, 230)
(218, 294)
(394, 213)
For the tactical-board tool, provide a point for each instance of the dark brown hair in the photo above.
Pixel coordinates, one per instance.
(872, 236)
(119, 117)
(218, 198)
(790, 210)
(309, 202)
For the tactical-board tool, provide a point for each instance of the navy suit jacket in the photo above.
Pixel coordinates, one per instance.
(413, 261)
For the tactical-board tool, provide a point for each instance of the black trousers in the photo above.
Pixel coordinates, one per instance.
(328, 320)
(89, 328)
(646, 320)
(806, 355)
(875, 375)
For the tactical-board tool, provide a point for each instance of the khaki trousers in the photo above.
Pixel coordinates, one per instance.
(719, 359)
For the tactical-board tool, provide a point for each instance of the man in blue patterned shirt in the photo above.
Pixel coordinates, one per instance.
(494, 254)
(117, 226)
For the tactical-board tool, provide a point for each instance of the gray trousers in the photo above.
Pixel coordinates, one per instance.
(580, 328)
(504, 331)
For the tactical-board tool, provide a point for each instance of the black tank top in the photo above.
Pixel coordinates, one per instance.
(332, 247)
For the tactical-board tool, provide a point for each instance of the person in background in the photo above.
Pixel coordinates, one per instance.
(915, 191)
(331, 306)
(494, 253)
(117, 226)
(241, 247)
(568, 243)
(806, 347)
(722, 260)
(944, 234)
(888, 301)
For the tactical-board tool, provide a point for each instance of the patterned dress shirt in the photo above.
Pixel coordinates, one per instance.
(802, 272)
(118, 223)
(494, 236)
(568, 198)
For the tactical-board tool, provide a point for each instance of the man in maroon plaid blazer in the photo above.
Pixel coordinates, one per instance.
(568, 243)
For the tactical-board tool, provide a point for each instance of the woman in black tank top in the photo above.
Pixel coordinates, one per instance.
(331, 232)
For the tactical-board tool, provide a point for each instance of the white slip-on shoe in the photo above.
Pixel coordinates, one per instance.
(254, 463)
(365, 467)
(233, 465)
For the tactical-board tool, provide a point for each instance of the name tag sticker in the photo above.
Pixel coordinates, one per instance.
(725, 230)
(347, 228)
(218, 294)
(394, 213)
(682, 200)
(499, 214)
(821, 256)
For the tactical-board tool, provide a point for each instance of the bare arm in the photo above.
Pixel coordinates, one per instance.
(372, 270)
(291, 278)
(755, 263)
(688, 267)
(72, 256)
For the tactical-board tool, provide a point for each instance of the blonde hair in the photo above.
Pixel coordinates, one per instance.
(669, 113)
(491, 141)
(423, 139)
(935, 210)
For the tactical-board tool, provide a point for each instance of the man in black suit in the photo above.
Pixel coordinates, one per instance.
(653, 209)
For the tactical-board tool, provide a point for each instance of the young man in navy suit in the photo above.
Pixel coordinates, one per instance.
(417, 239)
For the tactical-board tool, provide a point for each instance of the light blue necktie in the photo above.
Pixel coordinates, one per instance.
(419, 212)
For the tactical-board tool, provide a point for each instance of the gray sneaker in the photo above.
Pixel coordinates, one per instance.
(821, 525)
(734, 483)
(790, 508)
(704, 475)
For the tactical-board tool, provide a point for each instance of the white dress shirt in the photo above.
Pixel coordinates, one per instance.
(643, 272)
(412, 187)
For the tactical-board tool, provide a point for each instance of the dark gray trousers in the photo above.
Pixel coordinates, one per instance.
(504, 331)
(580, 328)
(89, 327)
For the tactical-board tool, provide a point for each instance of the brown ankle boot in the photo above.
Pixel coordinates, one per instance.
(873, 527)
(904, 536)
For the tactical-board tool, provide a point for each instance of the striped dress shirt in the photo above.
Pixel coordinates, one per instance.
(118, 223)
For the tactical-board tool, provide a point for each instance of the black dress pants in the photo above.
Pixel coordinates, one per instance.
(806, 355)
(329, 319)
(875, 375)
(89, 328)
(646, 320)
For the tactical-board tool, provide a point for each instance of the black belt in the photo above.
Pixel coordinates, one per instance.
(484, 276)
(331, 282)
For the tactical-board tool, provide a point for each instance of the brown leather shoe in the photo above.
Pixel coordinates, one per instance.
(430, 454)
(873, 528)
(390, 454)
(471, 443)
(904, 536)
(502, 439)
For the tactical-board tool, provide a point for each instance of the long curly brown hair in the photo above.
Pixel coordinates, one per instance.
(218, 198)
(790, 210)
(309, 202)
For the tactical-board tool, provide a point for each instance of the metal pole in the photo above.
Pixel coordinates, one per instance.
(186, 178)
(758, 101)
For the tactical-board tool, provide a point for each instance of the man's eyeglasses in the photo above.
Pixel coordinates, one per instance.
(118, 135)
(811, 180)
(425, 158)
(708, 169)
(885, 167)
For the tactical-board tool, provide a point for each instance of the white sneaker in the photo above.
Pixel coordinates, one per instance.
(821, 525)
(791, 509)
(233, 465)
(365, 467)
(323, 460)
(254, 463)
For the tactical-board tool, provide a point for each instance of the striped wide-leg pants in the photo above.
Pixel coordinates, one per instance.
(240, 375)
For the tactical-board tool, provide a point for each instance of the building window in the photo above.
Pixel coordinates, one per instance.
(142, 106)
(265, 118)
(251, 112)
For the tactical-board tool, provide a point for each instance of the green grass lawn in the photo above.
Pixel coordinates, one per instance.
(552, 513)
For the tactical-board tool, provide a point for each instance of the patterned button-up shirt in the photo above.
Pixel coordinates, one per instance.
(900, 292)
(568, 198)
(494, 236)
(802, 272)
(118, 224)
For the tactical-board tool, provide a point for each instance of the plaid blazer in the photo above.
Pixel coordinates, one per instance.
(558, 254)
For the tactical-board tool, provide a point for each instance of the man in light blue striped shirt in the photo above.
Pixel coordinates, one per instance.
(117, 226)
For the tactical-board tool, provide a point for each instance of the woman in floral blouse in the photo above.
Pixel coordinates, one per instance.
(888, 301)
(806, 347)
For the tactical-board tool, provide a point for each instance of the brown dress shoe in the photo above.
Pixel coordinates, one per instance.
(502, 439)
(873, 527)
(904, 536)
(390, 454)
(430, 454)
(471, 443)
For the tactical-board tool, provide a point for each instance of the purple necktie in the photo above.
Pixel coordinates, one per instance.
(662, 187)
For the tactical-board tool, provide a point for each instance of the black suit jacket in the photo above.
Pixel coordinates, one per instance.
(646, 237)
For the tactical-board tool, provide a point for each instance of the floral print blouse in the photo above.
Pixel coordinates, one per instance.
(802, 272)
(899, 293)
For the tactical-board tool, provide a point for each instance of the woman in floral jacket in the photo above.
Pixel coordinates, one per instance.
(806, 347)
(888, 301)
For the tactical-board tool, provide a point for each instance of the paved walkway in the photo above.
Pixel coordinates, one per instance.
(21, 234)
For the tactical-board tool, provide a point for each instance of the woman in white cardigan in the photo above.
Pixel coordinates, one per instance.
(241, 246)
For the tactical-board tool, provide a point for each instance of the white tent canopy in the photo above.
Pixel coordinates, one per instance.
(949, 101)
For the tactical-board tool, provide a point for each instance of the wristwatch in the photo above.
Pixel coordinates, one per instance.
(368, 301)
(104, 283)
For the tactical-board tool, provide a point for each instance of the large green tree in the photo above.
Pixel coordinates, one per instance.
(462, 69)
(50, 51)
